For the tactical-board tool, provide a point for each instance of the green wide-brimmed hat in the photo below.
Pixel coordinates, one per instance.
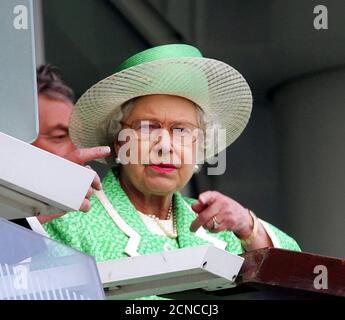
(176, 69)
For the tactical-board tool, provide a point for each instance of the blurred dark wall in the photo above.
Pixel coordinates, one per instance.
(87, 39)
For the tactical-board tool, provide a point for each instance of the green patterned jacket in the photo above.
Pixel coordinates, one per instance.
(96, 233)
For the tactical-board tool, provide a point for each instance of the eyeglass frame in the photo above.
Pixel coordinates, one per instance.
(161, 127)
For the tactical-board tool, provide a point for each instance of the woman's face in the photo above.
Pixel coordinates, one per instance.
(164, 158)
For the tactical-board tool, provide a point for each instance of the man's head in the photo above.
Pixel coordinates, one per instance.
(55, 100)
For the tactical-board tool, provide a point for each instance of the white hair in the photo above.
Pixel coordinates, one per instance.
(112, 125)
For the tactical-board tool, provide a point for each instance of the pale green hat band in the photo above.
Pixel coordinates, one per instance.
(169, 51)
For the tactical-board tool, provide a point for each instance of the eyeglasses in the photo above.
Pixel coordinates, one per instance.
(182, 133)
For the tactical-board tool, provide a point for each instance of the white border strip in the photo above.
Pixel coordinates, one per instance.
(271, 234)
(36, 226)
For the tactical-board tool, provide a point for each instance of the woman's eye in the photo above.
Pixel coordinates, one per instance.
(148, 126)
(181, 130)
(60, 137)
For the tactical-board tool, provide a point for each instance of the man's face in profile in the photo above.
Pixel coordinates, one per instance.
(54, 118)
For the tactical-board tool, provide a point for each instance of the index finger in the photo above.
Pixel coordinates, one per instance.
(81, 156)
(204, 216)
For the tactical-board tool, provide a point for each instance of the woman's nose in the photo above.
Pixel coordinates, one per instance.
(164, 143)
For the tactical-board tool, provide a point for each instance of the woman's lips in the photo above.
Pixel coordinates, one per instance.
(163, 168)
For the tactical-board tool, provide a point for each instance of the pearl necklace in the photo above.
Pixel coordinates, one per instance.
(172, 235)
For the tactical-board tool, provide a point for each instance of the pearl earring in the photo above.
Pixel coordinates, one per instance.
(117, 160)
(196, 168)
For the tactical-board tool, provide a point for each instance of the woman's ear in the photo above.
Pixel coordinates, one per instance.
(116, 146)
(116, 152)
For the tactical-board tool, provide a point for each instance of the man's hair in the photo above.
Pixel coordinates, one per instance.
(51, 85)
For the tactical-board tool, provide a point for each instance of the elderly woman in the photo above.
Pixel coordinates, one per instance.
(151, 113)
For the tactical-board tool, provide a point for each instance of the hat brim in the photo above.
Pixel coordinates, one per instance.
(219, 89)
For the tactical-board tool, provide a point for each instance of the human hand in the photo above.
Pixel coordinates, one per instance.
(81, 156)
(217, 212)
